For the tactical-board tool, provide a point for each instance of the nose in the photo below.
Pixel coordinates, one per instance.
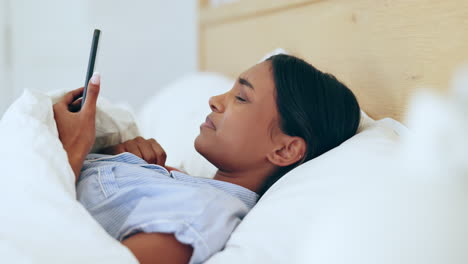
(216, 103)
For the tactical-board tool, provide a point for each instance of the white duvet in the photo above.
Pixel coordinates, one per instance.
(41, 221)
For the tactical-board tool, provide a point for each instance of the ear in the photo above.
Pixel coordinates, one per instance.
(288, 151)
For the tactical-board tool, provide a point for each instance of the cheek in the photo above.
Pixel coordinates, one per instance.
(244, 132)
(240, 140)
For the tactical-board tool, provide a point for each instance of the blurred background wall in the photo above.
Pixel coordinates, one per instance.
(144, 45)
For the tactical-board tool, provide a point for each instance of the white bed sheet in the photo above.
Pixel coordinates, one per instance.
(41, 221)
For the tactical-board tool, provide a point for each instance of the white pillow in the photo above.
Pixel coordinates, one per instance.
(41, 220)
(301, 218)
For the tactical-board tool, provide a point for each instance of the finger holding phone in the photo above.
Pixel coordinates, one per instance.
(76, 118)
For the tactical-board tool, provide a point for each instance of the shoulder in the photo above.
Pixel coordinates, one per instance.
(158, 248)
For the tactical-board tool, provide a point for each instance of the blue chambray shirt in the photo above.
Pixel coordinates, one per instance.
(126, 195)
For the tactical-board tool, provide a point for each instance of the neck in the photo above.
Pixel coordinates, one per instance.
(250, 179)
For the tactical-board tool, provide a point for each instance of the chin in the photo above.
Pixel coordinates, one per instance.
(201, 147)
(207, 150)
(196, 144)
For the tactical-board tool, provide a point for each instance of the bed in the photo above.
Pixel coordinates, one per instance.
(385, 51)
(388, 195)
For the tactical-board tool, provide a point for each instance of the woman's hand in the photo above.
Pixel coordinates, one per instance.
(147, 149)
(77, 130)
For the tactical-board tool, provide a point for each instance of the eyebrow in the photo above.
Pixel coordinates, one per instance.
(246, 83)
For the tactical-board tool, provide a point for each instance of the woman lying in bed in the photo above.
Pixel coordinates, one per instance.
(279, 114)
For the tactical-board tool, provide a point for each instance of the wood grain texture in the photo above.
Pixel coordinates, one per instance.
(242, 9)
(382, 49)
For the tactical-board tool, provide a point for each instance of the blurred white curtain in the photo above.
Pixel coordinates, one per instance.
(144, 45)
(6, 89)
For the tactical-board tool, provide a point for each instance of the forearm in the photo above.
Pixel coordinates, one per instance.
(76, 163)
(158, 248)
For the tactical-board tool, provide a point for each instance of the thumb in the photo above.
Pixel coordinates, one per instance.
(92, 93)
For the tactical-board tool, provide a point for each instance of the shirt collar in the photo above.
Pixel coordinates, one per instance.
(248, 197)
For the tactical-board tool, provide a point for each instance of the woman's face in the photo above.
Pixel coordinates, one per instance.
(239, 132)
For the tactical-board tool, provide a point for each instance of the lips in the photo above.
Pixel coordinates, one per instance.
(209, 124)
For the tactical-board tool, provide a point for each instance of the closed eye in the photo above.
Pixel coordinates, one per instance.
(240, 99)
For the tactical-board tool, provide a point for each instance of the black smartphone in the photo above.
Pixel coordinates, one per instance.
(92, 60)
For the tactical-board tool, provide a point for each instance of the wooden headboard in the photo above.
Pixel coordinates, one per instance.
(382, 49)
